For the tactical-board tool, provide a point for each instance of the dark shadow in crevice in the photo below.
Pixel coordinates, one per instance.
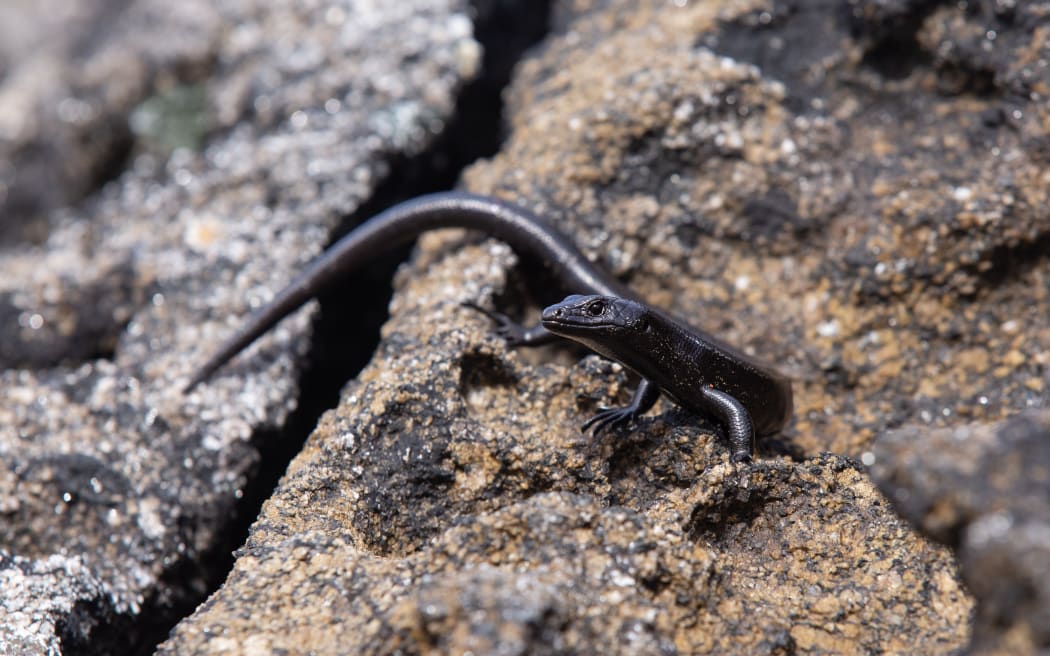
(1007, 263)
(782, 444)
(723, 523)
(94, 628)
(896, 56)
(787, 40)
(41, 179)
(71, 330)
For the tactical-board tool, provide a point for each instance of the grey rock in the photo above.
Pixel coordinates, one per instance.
(115, 486)
(69, 75)
(983, 490)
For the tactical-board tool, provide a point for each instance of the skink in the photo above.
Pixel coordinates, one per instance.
(697, 371)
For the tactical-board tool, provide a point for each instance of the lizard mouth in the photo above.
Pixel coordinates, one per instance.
(559, 317)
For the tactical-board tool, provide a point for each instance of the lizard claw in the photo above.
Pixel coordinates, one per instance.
(609, 418)
(741, 457)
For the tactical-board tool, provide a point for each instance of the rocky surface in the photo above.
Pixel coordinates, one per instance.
(855, 192)
(117, 492)
(667, 550)
(983, 490)
(857, 195)
(70, 74)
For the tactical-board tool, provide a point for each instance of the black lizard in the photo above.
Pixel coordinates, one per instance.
(698, 371)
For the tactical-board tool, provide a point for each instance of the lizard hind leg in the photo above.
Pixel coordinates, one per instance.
(736, 420)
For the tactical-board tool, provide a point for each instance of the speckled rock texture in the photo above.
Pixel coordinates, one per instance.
(855, 191)
(70, 73)
(984, 491)
(115, 488)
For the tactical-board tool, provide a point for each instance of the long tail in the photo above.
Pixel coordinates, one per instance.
(402, 223)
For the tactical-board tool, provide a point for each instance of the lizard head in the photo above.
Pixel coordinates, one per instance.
(587, 316)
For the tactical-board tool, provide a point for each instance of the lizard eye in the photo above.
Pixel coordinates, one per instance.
(596, 308)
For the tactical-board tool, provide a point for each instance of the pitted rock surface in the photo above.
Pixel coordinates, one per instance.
(116, 489)
(784, 557)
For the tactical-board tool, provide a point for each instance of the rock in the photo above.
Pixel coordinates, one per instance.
(726, 561)
(858, 196)
(832, 195)
(896, 234)
(69, 76)
(117, 490)
(982, 490)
